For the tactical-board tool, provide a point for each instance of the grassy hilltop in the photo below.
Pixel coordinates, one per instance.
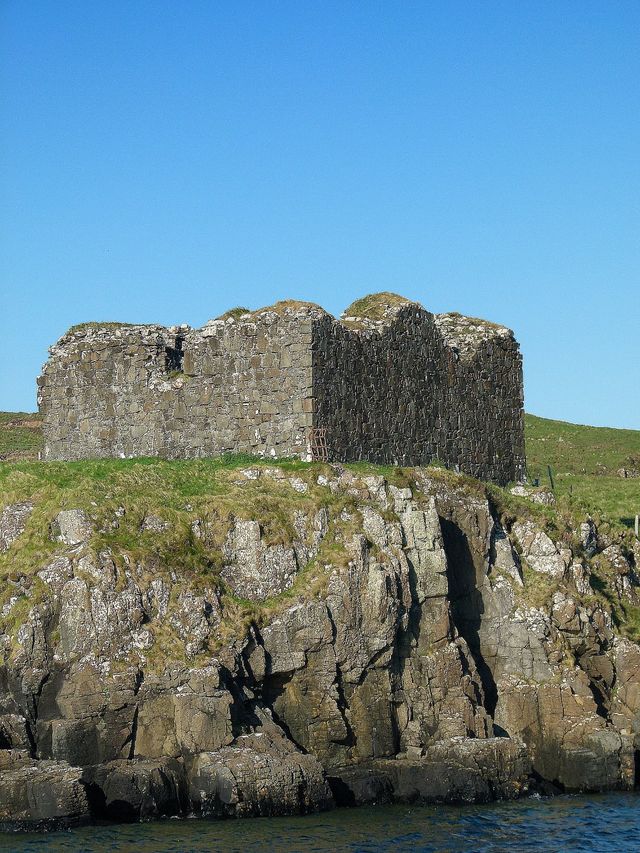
(20, 436)
(585, 460)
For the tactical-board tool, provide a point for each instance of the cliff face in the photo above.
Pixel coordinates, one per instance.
(249, 640)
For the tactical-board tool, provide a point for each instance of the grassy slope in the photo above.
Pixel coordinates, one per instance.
(20, 435)
(119, 493)
(584, 462)
(584, 459)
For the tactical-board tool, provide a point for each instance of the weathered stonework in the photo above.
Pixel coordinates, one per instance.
(394, 385)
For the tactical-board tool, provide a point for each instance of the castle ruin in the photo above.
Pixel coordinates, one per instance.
(388, 382)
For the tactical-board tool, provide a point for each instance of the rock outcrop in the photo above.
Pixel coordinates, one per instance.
(291, 640)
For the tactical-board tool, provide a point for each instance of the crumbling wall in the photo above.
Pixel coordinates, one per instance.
(396, 386)
(94, 392)
(413, 388)
(238, 384)
(484, 431)
(379, 391)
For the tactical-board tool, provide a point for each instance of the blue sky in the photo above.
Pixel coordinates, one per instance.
(164, 161)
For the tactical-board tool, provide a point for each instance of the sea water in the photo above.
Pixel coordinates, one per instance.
(571, 824)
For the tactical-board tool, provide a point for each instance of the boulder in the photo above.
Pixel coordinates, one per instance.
(539, 550)
(136, 790)
(258, 776)
(154, 524)
(459, 770)
(72, 527)
(43, 795)
(256, 570)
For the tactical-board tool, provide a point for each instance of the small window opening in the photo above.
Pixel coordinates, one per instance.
(174, 356)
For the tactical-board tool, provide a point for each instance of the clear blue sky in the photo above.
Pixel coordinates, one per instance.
(164, 161)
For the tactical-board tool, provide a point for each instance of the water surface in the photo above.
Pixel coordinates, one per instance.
(607, 823)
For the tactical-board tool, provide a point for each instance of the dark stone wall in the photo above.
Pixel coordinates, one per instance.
(407, 389)
(380, 393)
(418, 388)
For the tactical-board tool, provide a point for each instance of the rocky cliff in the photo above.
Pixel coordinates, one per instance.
(233, 639)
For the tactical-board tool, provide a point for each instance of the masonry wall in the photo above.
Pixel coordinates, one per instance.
(379, 393)
(409, 389)
(180, 393)
(417, 389)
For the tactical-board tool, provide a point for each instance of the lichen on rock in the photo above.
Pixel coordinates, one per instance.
(292, 637)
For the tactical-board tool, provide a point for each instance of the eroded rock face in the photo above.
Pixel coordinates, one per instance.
(255, 570)
(41, 794)
(539, 550)
(258, 776)
(459, 770)
(438, 653)
(136, 790)
(13, 520)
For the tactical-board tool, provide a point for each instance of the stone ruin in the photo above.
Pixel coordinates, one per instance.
(388, 383)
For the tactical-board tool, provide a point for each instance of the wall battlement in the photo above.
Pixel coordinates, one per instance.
(388, 382)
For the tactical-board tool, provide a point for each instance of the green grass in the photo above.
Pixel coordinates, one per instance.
(584, 461)
(108, 324)
(576, 449)
(180, 492)
(467, 323)
(375, 305)
(20, 435)
(210, 494)
(235, 313)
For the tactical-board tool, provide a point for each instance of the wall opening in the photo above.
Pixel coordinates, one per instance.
(174, 355)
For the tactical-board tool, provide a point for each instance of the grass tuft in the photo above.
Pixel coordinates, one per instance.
(375, 306)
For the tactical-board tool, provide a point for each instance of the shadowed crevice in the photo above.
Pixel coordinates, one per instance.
(467, 606)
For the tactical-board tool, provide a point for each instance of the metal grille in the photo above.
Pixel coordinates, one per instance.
(318, 444)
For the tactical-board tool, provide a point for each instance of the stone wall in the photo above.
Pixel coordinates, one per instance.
(412, 388)
(234, 385)
(390, 384)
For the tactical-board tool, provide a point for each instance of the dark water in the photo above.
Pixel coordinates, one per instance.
(609, 822)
